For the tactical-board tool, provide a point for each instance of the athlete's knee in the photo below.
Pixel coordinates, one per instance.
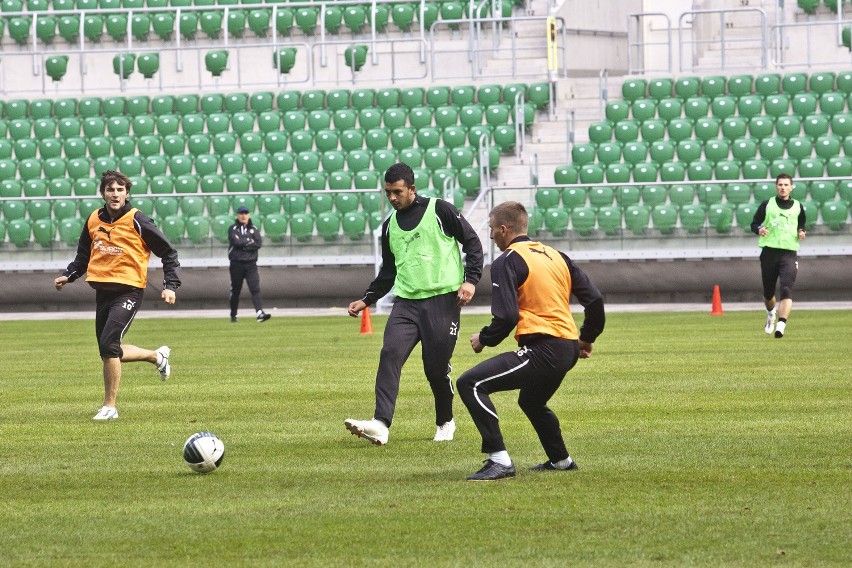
(786, 292)
(110, 349)
(464, 385)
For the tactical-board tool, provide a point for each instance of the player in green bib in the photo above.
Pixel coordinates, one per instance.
(422, 263)
(780, 224)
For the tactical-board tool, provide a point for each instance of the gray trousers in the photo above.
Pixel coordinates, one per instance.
(434, 322)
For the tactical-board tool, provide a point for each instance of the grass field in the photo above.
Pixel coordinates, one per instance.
(700, 440)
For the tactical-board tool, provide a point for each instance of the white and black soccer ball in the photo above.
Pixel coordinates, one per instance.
(203, 452)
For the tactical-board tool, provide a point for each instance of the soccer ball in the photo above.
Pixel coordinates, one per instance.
(203, 452)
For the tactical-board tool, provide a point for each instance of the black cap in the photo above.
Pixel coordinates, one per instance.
(243, 209)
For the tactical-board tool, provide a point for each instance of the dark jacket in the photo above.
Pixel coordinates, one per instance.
(453, 225)
(243, 242)
(152, 236)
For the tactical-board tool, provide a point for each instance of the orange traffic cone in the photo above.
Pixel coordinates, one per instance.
(366, 322)
(717, 302)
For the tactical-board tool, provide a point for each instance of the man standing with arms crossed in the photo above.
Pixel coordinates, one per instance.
(780, 224)
(421, 260)
(532, 284)
(114, 249)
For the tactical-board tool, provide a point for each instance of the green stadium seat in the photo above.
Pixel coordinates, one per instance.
(645, 173)
(782, 166)
(652, 130)
(841, 125)
(591, 174)
(660, 88)
(835, 214)
(755, 169)
(720, 216)
(822, 191)
(811, 213)
(767, 84)
(689, 150)
(566, 174)
(573, 197)
(744, 214)
(840, 166)
(727, 170)
(737, 193)
(670, 108)
(740, 85)
(643, 109)
(821, 82)
(761, 126)
(383, 159)
(763, 190)
(772, 149)
(302, 226)
(799, 147)
(682, 195)
(664, 218)
(556, 221)
(600, 132)
(693, 218)
(815, 125)
(827, 146)
(661, 151)
(636, 218)
(804, 104)
(609, 220)
(607, 152)
(672, 171)
(162, 184)
(696, 107)
(811, 167)
(734, 127)
(716, 149)
(700, 170)
(602, 196)
(723, 107)
(788, 126)
(832, 103)
(777, 105)
(617, 110)
(687, 87)
(583, 220)
(749, 106)
(633, 89)
(328, 225)
(744, 149)
(713, 86)
(679, 129)
(635, 152)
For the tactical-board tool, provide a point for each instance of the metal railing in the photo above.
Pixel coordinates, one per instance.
(636, 42)
(723, 42)
(809, 53)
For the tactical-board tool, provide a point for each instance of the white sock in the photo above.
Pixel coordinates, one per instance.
(159, 358)
(782, 325)
(501, 457)
(563, 464)
(260, 312)
(772, 311)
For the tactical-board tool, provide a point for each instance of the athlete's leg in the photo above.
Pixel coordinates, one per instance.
(401, 335)
(439, 330)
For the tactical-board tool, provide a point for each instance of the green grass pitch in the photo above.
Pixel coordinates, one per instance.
(700, 440)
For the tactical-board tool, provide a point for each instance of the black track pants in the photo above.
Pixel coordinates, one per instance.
(536, 370)
(244, 271)
(434, 322)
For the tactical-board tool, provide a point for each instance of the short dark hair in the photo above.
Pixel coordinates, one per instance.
(784, 176)
(513, 215)
(398, 172)
(110, 176)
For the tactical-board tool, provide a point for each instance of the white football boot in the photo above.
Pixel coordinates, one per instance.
(163, 354)
(444, 432)
(106, 413)
(770, 321)
(373, 430)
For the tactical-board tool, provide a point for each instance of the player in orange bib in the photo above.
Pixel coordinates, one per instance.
(113, 252)
(531, 286)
